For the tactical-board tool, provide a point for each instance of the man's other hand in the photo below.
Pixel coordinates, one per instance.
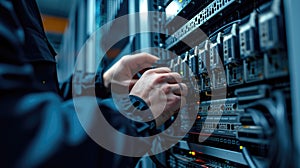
(163, 92)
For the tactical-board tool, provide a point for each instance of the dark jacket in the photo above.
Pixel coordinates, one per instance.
(36, 124)
(37, 50)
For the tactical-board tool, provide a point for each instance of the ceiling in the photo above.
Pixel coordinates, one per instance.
(59, 8)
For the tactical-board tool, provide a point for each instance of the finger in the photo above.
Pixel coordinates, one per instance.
(166, 77)
(159, 70)
(182, 102)
(173, 106)
(142, 60)
(148, 57)
(175, 103)
(172, 77)
(179, 89)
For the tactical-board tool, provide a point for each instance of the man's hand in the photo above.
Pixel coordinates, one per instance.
(121, 73)
(160, 88)
(163, 92)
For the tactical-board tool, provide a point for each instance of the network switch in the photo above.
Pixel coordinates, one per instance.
(244, 53)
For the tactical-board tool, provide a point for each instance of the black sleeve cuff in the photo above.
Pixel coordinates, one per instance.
(100, 89)
(149, 126)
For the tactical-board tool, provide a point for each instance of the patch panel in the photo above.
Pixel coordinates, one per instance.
(222, 135)
(218, 107)
(223, 142)
(220, 126)
(217, 124)
(229, 118)
(212, 107)
(216, 140)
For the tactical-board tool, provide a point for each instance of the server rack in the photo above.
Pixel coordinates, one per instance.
(251, 39)
(249, 51)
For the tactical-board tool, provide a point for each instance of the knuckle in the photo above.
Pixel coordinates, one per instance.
(175, 99)
(159, 79)
(177, 74)
(177, 77)
(144, 53)
(166, 89)
(124, 59)
(184, 87)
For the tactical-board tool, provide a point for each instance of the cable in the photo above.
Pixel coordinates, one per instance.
(279, 146)
(248, 158)
(260, 120)
(284, 135)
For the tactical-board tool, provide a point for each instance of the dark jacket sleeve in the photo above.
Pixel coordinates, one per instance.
(37, 128)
